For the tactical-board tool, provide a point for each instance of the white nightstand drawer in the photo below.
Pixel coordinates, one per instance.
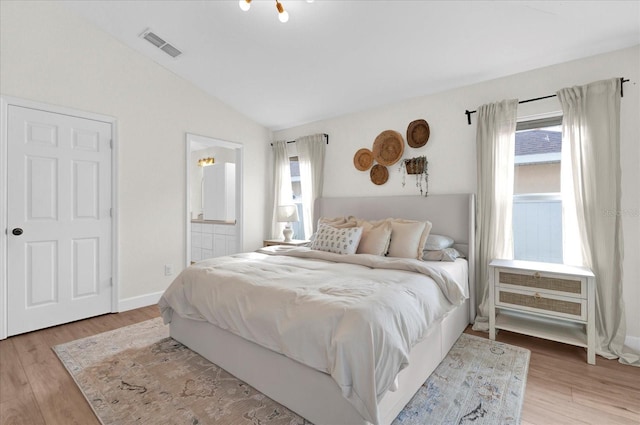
(542, 303)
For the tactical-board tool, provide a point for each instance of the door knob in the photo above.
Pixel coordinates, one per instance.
(17, 231)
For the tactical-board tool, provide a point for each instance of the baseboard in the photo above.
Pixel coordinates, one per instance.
(139, 301)
(633, 342)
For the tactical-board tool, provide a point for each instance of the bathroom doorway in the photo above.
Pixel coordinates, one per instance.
(209, 235)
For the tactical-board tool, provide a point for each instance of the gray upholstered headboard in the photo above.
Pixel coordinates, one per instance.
(451, 215)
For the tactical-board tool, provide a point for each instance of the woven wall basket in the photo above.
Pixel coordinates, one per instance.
(418, 133)
(379, 174)
(388, 147)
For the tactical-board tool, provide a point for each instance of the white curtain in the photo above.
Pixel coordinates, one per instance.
(591, 199)
(282, 192)
(311, 152)
(495, 150)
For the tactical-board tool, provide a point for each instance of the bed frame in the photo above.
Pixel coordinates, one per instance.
(315, 395)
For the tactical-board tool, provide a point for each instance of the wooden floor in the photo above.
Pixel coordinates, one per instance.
(561, 387)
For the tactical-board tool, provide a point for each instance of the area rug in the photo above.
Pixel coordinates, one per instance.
(139, 375)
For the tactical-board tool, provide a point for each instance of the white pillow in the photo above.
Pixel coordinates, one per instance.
(337, 222)
(438, 242)
(408, 238)
(447, 254)
(339, 241)
(375, 237)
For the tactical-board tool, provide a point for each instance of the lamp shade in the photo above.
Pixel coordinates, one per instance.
(287, 213)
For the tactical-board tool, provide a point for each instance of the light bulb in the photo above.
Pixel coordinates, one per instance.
(244, 4)
(282, 14)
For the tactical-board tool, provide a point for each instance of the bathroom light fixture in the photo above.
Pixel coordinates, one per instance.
(203, 162)
(283, 15)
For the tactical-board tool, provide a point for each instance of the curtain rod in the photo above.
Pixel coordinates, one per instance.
(324, 134)
(468, 112)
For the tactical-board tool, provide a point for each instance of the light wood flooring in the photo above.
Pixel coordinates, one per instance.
(561, 387)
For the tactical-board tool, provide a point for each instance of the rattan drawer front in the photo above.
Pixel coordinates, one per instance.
(551, 283)
(535, 302)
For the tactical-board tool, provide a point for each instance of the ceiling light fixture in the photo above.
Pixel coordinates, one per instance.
(245, 4)
(283, 15)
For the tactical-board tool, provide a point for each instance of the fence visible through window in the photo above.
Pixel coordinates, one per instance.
(537, 203)
(537, 228)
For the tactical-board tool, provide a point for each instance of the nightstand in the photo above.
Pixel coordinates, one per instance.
(292, 242)
(544, 300)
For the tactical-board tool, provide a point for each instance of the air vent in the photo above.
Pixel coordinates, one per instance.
(170, 50)
(160, 43)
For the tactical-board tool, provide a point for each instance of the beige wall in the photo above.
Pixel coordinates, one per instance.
(537, 178)
(451, 147)
(49, 55)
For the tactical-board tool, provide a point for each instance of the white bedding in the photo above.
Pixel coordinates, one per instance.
(458, 269)
(354, 317)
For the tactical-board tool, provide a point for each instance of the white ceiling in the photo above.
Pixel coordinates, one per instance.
(335, 57)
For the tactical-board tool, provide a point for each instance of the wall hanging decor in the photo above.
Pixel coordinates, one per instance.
(379, 174)
(388, 147)
(416, 166)
(363, 159)
(418, 133)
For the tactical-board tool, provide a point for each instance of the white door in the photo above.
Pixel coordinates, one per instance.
(59, 218)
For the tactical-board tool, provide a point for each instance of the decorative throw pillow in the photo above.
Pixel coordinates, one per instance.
(446, 254)
(375, 237)
(339, 241)
(337, 222)
(438, 242)
(408, 238)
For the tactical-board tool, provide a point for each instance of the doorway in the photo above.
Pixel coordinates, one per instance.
(58, 210)
(207, 236)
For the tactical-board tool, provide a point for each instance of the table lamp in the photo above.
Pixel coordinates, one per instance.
(287, 214)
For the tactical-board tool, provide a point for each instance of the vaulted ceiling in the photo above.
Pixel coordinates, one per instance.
(337, 57)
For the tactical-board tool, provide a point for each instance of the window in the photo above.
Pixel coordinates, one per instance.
(296, 189)
(537, 203)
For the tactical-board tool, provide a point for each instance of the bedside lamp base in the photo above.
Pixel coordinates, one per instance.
(287, 232)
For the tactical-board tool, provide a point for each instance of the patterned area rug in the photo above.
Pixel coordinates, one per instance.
(138, 375)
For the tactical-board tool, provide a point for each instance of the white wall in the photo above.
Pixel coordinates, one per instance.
(50, 55)
(451, 147)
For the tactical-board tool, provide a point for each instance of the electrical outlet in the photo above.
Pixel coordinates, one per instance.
(168, 269)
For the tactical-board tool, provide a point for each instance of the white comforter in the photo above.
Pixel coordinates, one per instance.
(354, 317)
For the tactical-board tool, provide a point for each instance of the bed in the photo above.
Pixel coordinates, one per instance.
(315, 394)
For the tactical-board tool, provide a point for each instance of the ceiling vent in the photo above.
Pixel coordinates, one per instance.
(160, 43)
